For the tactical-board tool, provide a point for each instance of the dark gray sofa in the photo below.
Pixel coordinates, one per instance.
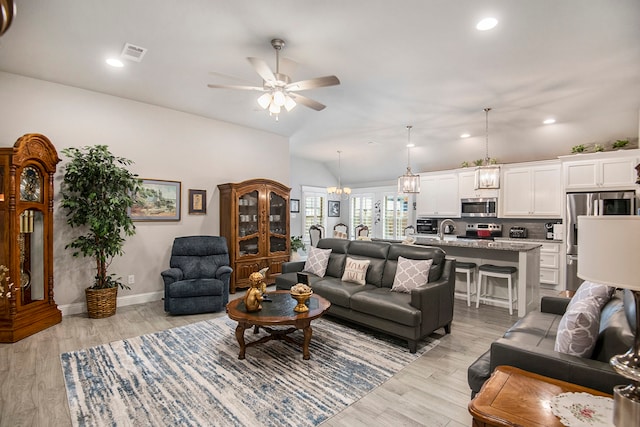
(408, 316)
(529, 344)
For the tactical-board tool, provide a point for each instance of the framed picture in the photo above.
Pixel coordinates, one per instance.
(157, 200)
(197, 202)
(294, 205)
(334, 208)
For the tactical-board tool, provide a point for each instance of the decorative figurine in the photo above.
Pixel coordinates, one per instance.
(253, 298)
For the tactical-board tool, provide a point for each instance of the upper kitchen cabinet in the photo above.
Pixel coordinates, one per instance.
(602, 171)
(467, 186)
(438, 197)
(533, 190)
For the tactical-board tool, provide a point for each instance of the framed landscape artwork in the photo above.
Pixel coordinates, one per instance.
(197, 202)
(157, 200)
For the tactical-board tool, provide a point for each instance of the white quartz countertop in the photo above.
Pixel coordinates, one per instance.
(499, 245)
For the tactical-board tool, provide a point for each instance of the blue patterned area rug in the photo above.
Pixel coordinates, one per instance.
(191, 376)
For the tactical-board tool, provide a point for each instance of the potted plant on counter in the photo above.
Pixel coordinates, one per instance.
(97, 192)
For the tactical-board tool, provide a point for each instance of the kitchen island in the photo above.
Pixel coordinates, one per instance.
(524, 256)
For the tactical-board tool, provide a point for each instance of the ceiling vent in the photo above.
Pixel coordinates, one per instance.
(133, 53)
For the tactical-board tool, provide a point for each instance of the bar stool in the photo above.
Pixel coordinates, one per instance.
(501, 272)
(468, 268)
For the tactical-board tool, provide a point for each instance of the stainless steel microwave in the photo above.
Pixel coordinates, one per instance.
(485, 207)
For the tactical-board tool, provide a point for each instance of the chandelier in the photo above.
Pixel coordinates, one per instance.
(339, 191)
(487, 174)
(409, 182)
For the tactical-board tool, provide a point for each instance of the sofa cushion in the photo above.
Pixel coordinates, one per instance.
(376, 252)
(317, 261)
(355, 270)
(536, 329)
(411, 273)
(437, 255)
(337, 291)
(383, 303)
(195, 288)
(616, 334)
(338, 255)
(579, 327)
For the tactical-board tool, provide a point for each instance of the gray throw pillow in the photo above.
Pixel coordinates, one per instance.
(410, 274)
(579, 327)
(317, 261)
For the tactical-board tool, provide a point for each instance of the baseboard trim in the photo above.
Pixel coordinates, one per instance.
(81, 307)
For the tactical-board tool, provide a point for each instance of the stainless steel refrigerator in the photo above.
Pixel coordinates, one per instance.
(601, 203)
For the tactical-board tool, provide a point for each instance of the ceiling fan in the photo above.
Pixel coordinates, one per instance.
(278, 89)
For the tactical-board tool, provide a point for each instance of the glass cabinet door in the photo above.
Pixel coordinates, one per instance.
(277, 222)
(248, 220)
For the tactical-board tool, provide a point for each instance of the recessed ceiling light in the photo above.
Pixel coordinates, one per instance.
(465, 135)
(411, 145)
(486, 24)
(549, 121)
(115, 62)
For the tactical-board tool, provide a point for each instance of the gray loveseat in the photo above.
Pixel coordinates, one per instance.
(408, 316)
(529, 345)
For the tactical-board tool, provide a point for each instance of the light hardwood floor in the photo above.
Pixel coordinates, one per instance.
(432, 391)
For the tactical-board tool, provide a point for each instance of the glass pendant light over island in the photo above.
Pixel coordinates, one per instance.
(409, 182)
(488, 174)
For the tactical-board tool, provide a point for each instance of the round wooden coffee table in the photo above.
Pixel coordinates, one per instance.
(277, 312)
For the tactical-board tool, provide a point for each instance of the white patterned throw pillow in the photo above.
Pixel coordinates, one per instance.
(579, 327)
(317, 261)
(355, 270)
(410, 274)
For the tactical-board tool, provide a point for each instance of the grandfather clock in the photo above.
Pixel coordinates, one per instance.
(26, 237)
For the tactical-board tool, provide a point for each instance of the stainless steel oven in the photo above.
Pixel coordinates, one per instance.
(486, 207)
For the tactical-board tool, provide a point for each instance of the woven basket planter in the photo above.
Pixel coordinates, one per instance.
(101, 302)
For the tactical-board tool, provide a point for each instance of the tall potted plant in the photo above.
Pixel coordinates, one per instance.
(97, 191)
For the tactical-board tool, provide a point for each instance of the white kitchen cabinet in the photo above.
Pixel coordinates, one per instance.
(551, 264)
(467, 186)
(438, 197)
(610, 170)
(532, 191)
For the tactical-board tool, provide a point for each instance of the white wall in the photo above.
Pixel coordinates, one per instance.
(309, 173)
(164, 144)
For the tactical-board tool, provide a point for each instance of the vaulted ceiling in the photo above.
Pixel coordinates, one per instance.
(407, 62)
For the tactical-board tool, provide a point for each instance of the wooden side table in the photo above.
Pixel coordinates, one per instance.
(513, 397)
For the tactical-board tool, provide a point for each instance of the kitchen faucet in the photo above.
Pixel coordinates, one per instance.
(442, 226)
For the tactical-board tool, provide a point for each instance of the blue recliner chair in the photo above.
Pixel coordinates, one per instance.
(198, 280)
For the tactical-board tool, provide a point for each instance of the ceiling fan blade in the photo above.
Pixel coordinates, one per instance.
(307, 102)
(313, 83)
(256, 88)
(288, 66)
(262, 69)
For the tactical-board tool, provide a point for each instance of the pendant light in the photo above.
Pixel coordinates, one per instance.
(409, 182)
(488, 174)
(339, 191)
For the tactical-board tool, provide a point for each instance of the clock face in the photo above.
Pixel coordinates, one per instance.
(30, 185)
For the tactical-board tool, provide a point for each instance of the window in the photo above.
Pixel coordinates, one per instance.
(361, 212)
(314, 212)
(395, 216)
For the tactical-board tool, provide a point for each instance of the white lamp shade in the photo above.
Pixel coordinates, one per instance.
(264, 100)
(609, 250)
(289, 103)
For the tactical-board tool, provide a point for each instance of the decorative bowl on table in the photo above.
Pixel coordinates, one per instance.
(301, 293)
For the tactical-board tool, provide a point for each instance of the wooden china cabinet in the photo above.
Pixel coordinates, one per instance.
(26, 237)
(254, 218)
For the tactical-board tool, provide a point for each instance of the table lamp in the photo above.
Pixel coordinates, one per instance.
(609, 253)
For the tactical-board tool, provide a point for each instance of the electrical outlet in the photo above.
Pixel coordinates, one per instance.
(132, 279)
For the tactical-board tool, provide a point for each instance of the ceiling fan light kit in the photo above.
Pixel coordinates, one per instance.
(409, 182)
(278, 89)
(488, 174)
